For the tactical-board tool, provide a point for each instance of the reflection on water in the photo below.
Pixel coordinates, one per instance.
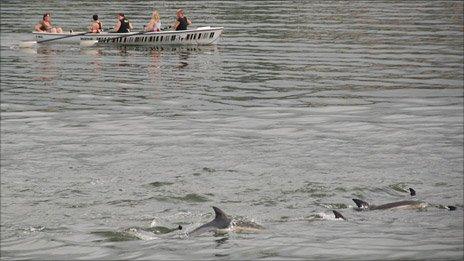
(183, 57)
(168, 48)
(96, 63)
(154, 72)
(45, 62)
(221, 241)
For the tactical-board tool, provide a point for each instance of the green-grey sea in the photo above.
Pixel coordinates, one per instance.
(300, 107)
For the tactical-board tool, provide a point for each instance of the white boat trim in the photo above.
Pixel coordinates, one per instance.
(199, 36)
(68, 37)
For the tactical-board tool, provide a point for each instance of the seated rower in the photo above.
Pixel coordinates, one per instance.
(155, 23)
(181, 22)
(96, 26)
(123, 25)
(46, 25)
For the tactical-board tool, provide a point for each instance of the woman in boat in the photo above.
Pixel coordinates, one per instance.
(155, 23)
(96, 26)
(181, 22)
(46, 25)
(123, 25)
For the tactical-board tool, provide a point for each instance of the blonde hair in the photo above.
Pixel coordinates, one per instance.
(179, 11)
(155, 16)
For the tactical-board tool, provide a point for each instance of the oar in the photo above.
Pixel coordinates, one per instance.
(93, 42)
(29, 44)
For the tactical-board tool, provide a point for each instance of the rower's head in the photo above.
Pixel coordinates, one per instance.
(155, 15)
(95, 17)
(180, 13)
(47, 17)
(121, 16)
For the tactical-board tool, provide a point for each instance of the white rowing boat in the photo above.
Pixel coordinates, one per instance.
(199, 36)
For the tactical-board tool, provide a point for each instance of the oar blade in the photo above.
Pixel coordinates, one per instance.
(88, 43)
(27, 44)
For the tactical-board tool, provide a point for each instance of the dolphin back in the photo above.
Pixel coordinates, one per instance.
(361, 204)
(407, 204)
(208, 227)
(338, 215)
(221, 221)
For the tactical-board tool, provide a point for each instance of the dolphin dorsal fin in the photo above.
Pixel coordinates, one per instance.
(220, 214)
(412, 192)
(360, 203)
(338, 215)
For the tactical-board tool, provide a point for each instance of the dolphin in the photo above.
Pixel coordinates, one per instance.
(338, 215)
(223, 223)
(406, 204)
(450, 207)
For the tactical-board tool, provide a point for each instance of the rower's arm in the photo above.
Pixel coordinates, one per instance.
(116, 27)
(37, 27)
(175, 25)
(149, 26)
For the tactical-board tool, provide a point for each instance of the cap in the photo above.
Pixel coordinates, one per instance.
(95, 17)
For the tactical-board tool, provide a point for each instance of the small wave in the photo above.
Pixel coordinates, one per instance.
(141, 234)
(399, 187)
(192, 197)
(334, 205)
(157, 184)
(34, 229)
(163, 230)
(326, 216)
(114, 236)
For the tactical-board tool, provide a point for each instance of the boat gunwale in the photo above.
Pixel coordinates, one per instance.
(110, 34)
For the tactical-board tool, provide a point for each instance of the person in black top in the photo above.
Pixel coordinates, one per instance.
(123, 25)
(181, 22)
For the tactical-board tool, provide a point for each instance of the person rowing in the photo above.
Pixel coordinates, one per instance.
(181, 22)
(45, 26)
(96, 26)
(155, 23)
(123, 25)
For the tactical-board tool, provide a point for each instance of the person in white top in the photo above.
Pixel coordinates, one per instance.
(155, 23)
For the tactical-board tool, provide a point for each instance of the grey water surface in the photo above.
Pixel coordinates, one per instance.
(302, 106)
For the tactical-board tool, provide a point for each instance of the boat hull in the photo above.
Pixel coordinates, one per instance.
(68, 37)
(199, 36)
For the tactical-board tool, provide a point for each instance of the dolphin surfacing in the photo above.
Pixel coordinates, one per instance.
(222, 223)
(338, 215)
(406, 204)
